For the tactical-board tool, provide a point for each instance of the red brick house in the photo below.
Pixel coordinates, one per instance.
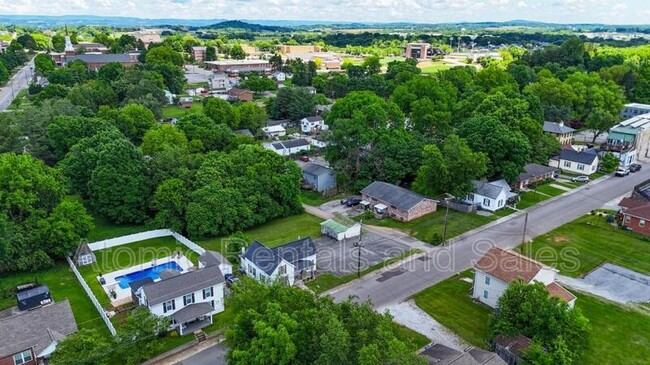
(241, 94)
(637, 219)
(392, 201)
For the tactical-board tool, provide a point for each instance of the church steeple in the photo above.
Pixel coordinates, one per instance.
(69, 48)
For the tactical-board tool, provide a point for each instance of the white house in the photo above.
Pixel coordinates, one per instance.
(286, 263)
(491, 196)
(189, 299)
(340, 228)
(313, 124)
(319, 142)
(274, 131)
(170, 97)
(279, 76)
(499, 267)
(583, 163)
(287, 148)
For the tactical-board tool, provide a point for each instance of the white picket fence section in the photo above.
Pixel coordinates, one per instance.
(92, 297)
(156, 233)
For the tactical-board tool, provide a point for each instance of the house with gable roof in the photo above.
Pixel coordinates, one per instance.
(401, 204)
(285, 263)
(583, 163)
(491, 196)
(340, 227)
(562, 133)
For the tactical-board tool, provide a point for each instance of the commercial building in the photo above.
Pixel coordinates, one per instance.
(287, 49)
(630, 140)
(236, 67)
(633, 110)
(422, 51)
(198, 53)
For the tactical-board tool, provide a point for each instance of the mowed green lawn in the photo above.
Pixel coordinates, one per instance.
(530, 198)
(449, 302)
(175, 111)
(435, 67)
(429, 228)
(582, 245)
(549, 190)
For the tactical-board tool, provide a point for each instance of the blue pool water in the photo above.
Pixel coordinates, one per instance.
(152, 272)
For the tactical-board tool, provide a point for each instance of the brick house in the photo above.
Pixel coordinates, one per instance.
(241, 94)
(533, 173)
(401, 204)
(637, 218)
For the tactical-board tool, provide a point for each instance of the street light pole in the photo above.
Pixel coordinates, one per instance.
(359, 246)
(523, 234)
(444, 230)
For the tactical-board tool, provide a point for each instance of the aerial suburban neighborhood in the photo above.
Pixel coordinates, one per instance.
(331, 184)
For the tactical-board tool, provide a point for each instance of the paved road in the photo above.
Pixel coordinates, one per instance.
(19, 81)
(441, 263)
(215, 355)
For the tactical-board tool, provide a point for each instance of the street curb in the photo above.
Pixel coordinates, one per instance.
(181, 348)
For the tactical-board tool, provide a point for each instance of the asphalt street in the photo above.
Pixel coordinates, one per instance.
(443, 262)
(19, 81)
(215, 355)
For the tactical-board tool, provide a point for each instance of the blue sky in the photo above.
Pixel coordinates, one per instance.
(424, 11)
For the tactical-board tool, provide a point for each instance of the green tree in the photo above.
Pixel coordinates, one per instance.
(173, 76)
(222, 112)
(210, 53)
(205, 132)
(292, 103)
(137, 338)
(66, 131)
(169, 202)
(372, 65)
(162, 55)
(161, 136)
(65, 227)
(86, 345)
(133, 120)
(43, 64)
(610, 162)
(251, 116)
(599, 121)
(58, 42)
(237, 52)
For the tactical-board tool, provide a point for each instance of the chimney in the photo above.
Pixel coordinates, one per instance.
(561, 123)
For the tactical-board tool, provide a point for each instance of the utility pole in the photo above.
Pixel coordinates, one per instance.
(523, 234)
(359, 246)
(444, 230)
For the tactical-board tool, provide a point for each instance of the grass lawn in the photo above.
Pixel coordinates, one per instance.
(104, 228)
(549, 190)
(276, 232)
(327, 281)
(63, 285)
(450, 304)
(530, 198)
(413, 338)
(617, 333)
(570, 185)
(580, 246)
(434, 67)
(313, 198)
(125, 256)
(175, 111)
(429, 228)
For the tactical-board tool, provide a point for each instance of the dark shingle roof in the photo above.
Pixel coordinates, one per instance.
(556, 128)
(135, 285)
(268, 259)
(586, 157)
(191, 312)
(487, 189)
(290, 144)
(316, 169)
(315, 118)
(277, 122)
(399, 197)
(534, 170)
(177, 286)
(210, 258)
(37, 328)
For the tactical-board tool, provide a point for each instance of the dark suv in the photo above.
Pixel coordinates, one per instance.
(351, 202)
(635, 167)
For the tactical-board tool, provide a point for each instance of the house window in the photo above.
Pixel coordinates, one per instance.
(23, 357)
(188, 299)
(252, 270)
(581, 166)
(500, 203)
(85, 260)
(593, 168)
(282, 270)
(212, 304)
(485, 294)
(567, 163)
(487, 280)
(207, 293)
(169, 305)
(628, 219)
(642, 223)
(486, 202)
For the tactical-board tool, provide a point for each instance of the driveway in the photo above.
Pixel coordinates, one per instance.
(341, 258)
(215, 355)
(335, 206)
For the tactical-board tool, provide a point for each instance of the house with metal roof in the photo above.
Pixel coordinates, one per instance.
(188, 299)
(284, 263)
(630, 140)
(583, 163)
(340, 227)
(319, 177)
(561, 132)
(388, 200)
(30, 337)
(491, 196)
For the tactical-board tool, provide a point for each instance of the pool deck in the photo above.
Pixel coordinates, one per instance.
(124, 295)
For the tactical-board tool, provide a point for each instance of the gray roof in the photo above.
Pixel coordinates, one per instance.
(490, 189)
(268, 259)
(316, 169)
(440, 354)
(30, 293)
(168, 273)
(37, 328)
(174, 287)
(394, 195)
(101, 58)
(290, 144)
(557, 128)
(586, 157)
(277, 122)
(82, 249)
(135, 285)
(210, 258)
(192, 312)
(534, 170)
(315, 118)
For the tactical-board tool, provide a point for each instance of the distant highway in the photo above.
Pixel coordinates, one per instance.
(18, 82)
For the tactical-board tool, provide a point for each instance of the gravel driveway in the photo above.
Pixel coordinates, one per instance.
(613, 282)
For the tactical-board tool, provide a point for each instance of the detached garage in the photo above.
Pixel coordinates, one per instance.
(340, 228)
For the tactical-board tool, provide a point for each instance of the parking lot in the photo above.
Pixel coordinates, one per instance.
(341, 258)
(336, 207)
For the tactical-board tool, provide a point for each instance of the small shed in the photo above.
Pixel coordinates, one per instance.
(33, 298)
(84, 255)
(340, 227)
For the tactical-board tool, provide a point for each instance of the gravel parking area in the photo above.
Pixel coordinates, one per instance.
(341, 258)
(613, 282)
(336, 207)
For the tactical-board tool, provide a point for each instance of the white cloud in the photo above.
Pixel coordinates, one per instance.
(431, 11)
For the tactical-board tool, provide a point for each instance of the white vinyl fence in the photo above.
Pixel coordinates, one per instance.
(118, 241)
(92, 297)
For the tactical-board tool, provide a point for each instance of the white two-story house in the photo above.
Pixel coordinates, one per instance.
(499, 267)
(188, 299)
(583, 163)
(285, 263)
(313, 124)
(491, 196)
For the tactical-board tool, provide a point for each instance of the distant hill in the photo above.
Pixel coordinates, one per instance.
(251, 27)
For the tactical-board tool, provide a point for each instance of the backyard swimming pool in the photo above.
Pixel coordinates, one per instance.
(151, 272)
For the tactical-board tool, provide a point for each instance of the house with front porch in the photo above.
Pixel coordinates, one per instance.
(570, 160)
(491, 196)
(284, 263)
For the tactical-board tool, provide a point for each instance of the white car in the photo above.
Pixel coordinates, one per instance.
(582, 179)
(622, 171)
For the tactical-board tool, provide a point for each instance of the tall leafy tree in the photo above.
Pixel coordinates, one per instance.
(86, 344)
(221, 111)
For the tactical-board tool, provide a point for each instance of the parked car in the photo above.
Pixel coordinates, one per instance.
(635, 167)
(351, 202)
(231, 279)
(304, 158)
(622, 171)
(582, 179)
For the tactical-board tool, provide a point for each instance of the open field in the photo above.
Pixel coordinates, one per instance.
(580, 246)
(175, 111)
(433, 67)
(530, 198)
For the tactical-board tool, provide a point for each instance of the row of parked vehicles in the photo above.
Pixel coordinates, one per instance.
(624, 171)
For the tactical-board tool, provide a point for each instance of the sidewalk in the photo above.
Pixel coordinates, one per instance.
(184, 352)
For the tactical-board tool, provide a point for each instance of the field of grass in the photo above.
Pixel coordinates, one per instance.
(449, 302)
(434, 67)
(530, 198)
(407, 335)
(429, 228)
(582, 245)
(175, 111)
(327, 281)
(313, 198)
(549, 190)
